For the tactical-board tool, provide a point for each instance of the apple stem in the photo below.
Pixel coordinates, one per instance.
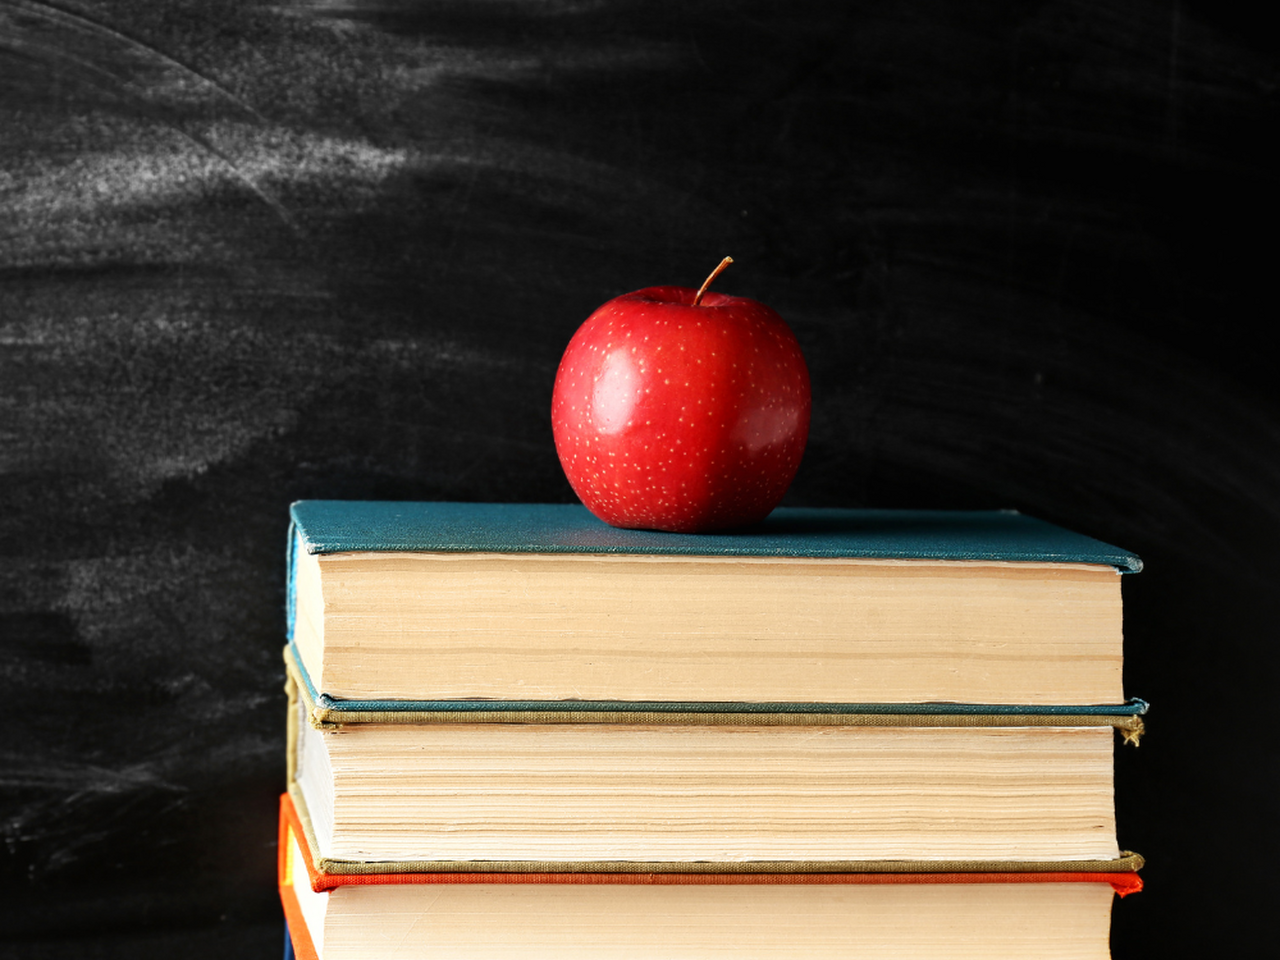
(697, 297)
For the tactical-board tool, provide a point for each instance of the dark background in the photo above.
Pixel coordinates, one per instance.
(252, 252)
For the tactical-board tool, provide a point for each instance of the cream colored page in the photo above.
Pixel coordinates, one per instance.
(566, 792)
(427, 626)
(563, 922)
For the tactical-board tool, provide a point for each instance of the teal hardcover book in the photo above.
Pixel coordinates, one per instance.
(412, 606)
(334, 526)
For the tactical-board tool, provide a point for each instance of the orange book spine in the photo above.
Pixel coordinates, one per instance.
(303, 948)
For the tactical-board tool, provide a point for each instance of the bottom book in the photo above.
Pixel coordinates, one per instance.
(692, 916)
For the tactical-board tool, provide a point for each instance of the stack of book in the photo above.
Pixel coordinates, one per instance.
(516, 732)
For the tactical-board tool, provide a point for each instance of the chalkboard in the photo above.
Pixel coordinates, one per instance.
(253, 252)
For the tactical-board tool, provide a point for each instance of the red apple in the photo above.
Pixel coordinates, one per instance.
(681, 410)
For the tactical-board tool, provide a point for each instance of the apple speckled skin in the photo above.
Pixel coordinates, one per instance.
(673, 416)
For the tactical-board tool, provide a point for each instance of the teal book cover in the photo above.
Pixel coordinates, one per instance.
(721, 623)
(323, 711)
(334, 526)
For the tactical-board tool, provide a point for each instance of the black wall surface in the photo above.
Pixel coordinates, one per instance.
(252, 252)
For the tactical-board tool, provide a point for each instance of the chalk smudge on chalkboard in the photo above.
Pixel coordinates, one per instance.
(153, 171)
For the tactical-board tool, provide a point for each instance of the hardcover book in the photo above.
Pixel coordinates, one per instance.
(754, 791)
(971, 914)
(401, 604)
